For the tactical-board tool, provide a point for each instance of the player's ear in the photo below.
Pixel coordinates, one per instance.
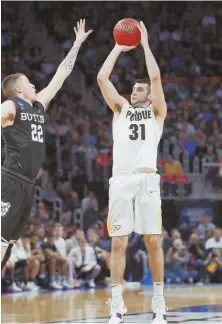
(18, 89)
(149, 97)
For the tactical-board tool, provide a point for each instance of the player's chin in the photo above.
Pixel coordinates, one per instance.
(34, 97)
(133, 102)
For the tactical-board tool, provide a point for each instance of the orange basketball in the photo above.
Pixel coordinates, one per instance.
(127, 33)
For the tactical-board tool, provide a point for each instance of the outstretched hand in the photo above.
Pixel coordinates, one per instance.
(144, 34)
(81, 35)
(124, 48)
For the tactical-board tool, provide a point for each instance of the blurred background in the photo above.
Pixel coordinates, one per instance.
(71, 203)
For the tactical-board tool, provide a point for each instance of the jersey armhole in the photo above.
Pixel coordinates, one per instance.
(117, 114)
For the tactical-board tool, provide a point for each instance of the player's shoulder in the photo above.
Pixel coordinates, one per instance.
(8, 106)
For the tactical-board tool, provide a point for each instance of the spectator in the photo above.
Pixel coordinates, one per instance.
(86, 202)
(204, 226)
(215, 242)
(55, 259)
(177, 260)
(73, 241)
(74, 202)
(172, 166)
(85, 263)
(48, 193)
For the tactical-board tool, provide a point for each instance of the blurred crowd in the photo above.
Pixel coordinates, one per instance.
(187, 43)
(59, 257)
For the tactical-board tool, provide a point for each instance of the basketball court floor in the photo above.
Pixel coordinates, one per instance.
(186, 304)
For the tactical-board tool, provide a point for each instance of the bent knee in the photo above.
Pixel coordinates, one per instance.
(153, 242)
(119, 243)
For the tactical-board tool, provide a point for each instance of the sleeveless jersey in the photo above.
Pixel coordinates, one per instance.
(136, 136)
(24, 140)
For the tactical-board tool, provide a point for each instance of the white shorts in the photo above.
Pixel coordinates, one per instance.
(134, 204)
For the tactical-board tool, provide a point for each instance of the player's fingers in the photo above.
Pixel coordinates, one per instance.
(83, 24)
(89, 32)
(142, 25)
(78, 25)
(140, 29)
(75, 30)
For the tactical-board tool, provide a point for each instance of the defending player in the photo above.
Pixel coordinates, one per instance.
(22, 120)
(137, 129)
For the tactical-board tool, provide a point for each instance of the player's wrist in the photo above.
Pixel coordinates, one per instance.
(77, 43)
(146, 46)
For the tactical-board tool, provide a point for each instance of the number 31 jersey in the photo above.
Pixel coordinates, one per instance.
(24, 140)
(136, 136)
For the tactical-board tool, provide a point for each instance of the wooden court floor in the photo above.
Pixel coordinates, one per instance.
(81, 306)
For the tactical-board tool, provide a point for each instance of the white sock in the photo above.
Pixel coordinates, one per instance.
(117, 291)
(158, 289)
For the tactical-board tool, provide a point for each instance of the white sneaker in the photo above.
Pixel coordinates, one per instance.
(159, 310)
(54, 285)
(14, 288)
(30, 286)
(91, 283)
(117, 311)
(66, 285)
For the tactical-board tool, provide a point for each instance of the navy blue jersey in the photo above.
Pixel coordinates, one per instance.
(24, 140)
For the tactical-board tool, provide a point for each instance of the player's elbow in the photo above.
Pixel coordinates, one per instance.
(101, 78)
(155, 78)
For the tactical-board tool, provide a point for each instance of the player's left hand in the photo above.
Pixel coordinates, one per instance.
(144, 34)
(81, 35)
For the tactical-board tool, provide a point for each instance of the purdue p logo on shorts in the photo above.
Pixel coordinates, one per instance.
(4, 208)
(115, 228)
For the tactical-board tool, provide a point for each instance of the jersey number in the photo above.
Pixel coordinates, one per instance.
(37, 133)
(136, 132)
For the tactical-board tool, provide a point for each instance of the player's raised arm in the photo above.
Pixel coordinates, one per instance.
(109, 92)
(8, 112)
(66, 66)
(157, 95)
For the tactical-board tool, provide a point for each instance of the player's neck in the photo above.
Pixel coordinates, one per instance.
(23, 98)
(143, 105)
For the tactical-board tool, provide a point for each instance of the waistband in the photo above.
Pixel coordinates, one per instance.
(18, 176)
(137, 171)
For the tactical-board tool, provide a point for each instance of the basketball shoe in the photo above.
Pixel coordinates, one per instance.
(159, 310)
(118, 309)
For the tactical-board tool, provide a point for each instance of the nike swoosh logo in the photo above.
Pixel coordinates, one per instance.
(151, 191)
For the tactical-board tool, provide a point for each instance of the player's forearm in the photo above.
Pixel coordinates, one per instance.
(109, 63)
(68, 63)
(151, 64)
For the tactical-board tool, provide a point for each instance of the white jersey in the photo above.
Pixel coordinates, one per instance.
(136, 136)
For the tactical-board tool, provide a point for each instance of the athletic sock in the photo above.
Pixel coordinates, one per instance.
(158, 289)
(117, 291)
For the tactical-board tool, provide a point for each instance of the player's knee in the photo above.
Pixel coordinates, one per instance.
(119, 243)
(153, 242)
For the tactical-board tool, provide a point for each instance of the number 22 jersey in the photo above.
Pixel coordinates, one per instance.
(136, 136)
(24, 140)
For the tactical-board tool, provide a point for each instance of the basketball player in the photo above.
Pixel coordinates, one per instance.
(23, 120)
(134, 193)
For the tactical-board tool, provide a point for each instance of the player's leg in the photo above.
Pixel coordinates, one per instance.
(148, 221)
(120, 225)
(13, 198)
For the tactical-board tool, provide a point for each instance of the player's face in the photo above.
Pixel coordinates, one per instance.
(26, 88)
(140, 94)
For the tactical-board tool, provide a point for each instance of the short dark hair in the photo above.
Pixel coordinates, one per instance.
(8, 84)
(146, 81)
(50, 235)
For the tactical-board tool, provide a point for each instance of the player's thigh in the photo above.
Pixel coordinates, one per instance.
(148, 213)
(11, 200)
(121, 215)
(25, 210)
